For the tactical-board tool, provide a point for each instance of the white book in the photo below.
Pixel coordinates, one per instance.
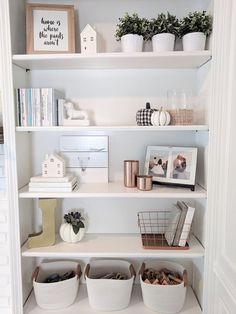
(53, 184)
(37, 107)
(172, 225)
(41, 179)
(187, 225)
(60, 111)
(23, 107)
(44, 104)
(54, 189)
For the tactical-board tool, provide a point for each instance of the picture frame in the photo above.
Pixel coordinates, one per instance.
(172, 165)
(50, 28)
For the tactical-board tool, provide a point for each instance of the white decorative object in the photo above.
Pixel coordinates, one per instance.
(86, 156)
(69, 115)
(88, 39)
(194, 41)
(160, 117)
(132, 43)
(163, 42)
(53, 166)
(67, 234)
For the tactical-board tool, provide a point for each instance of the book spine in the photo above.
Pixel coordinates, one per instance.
(186, 226)
(44, 97)
(50, 106)
(23, 107)
(29, 106)
(37, 107)
(18, 110)
(60, 111)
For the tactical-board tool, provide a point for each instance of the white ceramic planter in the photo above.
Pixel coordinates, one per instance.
(163, 42)
(67, 234)
(194, 41)
(132, 43)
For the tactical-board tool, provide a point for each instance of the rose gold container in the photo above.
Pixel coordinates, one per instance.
(131, 170)
(144, 183)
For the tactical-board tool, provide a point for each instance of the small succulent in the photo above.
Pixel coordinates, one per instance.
(196, 22)
(76, 220)
(164, 23)
(132, 24)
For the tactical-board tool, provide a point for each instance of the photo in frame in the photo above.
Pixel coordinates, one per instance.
(172, 165)
(50, 28)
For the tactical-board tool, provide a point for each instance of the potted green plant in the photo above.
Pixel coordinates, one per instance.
(73, 229)
(162, 31)
(194, 29)
(132, 30)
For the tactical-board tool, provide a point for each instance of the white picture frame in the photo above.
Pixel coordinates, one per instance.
(172, 165)
(50, 28)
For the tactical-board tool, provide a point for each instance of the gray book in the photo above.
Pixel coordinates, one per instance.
(183, 208)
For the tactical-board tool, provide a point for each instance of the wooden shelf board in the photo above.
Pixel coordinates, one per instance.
(113, 60)
(111, 245)
(136, 305)
(113, 128)
(117, 189)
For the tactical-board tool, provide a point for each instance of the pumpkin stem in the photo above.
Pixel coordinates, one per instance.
(148, 106)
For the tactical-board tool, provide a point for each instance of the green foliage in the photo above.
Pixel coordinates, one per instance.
(196, 22)
(76, 220)
(164, 23)
(132, 24)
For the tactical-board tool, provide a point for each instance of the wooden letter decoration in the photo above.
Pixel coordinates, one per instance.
(47, 236)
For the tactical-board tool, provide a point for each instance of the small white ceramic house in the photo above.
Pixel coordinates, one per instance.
(88, 39)
(53, 166)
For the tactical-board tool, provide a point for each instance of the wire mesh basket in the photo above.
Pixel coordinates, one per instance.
(157, 232)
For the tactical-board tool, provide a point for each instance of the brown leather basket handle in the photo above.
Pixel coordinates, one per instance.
(35, 274)
(78, 271)
(185, 278)
(86, 272)
(142, 269)
(132, 270)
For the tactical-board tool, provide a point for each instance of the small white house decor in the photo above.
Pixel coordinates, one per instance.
(88, 38)
(53, 166)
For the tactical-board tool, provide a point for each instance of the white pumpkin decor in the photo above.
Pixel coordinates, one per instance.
(160, 118)
(73, 229)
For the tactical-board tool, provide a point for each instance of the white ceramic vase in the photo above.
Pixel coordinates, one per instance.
(194, 41)
(163, 42)
(67, 234)
(132, 43)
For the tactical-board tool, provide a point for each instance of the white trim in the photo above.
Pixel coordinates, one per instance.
(9, 139)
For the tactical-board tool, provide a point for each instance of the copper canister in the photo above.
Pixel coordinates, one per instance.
(144, 183)
(131, 170)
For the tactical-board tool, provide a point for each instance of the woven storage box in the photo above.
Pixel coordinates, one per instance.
(181, 116)
(109, 294)
(164, 299)
(56, 295)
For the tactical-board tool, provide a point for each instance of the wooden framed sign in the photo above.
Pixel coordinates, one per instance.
(50, 28)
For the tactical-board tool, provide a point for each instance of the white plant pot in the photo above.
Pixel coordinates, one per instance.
(163, 42)
(67, 234)
(132, 43)
(194, 41)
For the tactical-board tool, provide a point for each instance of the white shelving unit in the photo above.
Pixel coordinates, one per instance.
(112, 86)
(113, 246)
(124, 128)
(117, 189)
(147, 60)
(136, 306)
(191, 305)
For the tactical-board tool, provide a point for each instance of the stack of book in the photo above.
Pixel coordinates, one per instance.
(1, 135)
(179, 224)
(67, 183)
(37, 106)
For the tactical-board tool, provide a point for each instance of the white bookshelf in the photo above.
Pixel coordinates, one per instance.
(117, 189)
(113, 246)
(136, 305)
(122, 128)
(113, 60)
